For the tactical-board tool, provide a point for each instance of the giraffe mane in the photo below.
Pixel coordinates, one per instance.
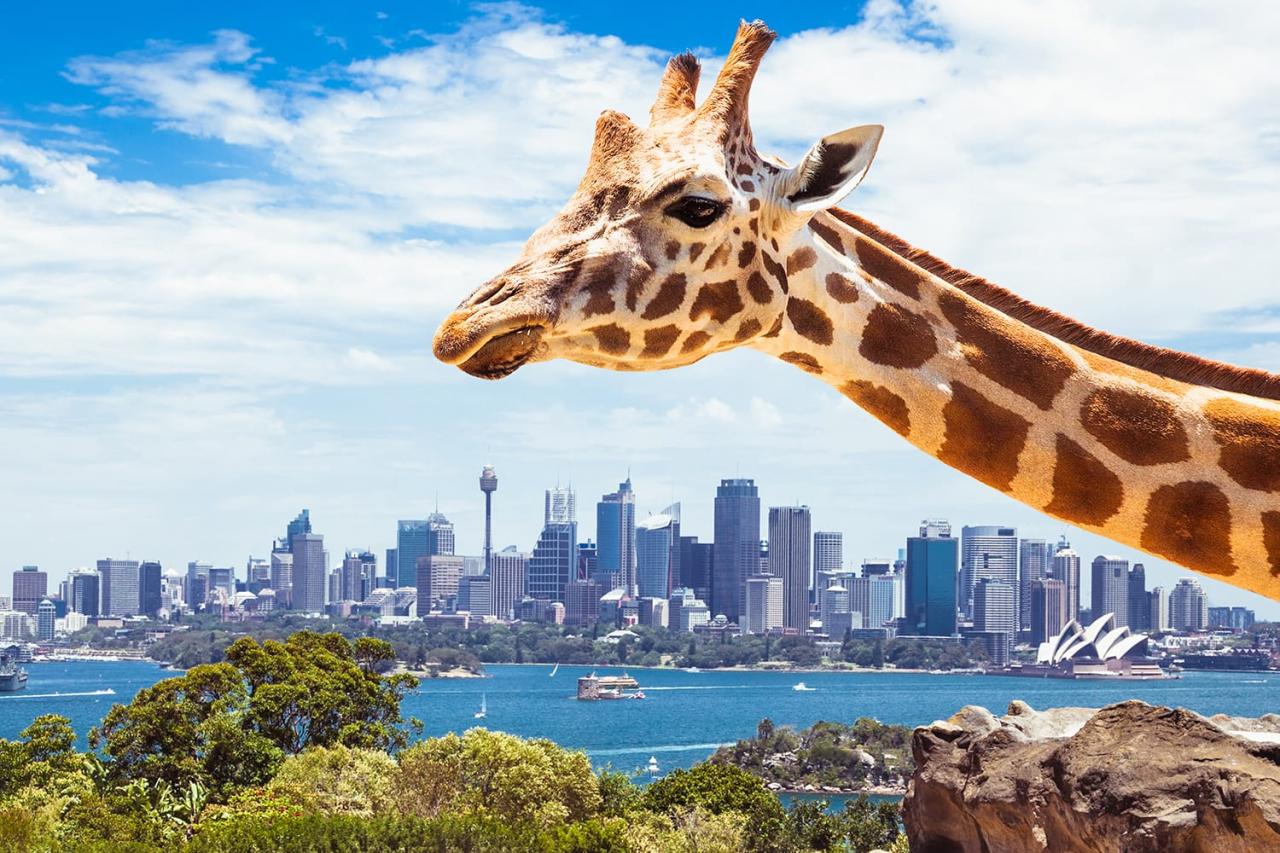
(1180, 366)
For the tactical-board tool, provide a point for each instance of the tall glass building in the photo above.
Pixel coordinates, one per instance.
(616, 536)
(657, 550)
(932, 560)
(736, 547)
(554, 560)
(413, 540)
(790, 538)
(987, 551)
(149, 583)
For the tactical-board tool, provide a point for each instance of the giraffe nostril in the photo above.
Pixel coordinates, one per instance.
(485, 293)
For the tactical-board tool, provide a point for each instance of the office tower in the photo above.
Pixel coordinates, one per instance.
(46, 615)
(1033, 564)
(438, 577)
(736, 547)
(790, 538)
(309, 572)
(1066, 568)
(118, 587)
(828, 551)
(834, 609)
(149, 581)
(257, 574)
(1158, 610)
(1048, 600)
(30, 586)
(84, 593)
(413, 540)
(987, 551)
(589, 563)
(440, 537)
(876, 566)
(657, 550)
(554, 560)
(1188, 606)
(281, 577)
(695, 566)
(392, 568)
(765, 604)
(932, 559)
(582, 601)
(616, 535)
(1110, 592)
(300, 525)
(355, 576)
(509, 572)
(475, 595)
(859, 599)
(222, 584)
(1139, 607)
(882, 599)
(994, 613)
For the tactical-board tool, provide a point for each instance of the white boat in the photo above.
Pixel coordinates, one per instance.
(693, 669)
(653, 766)
(554, 670)
(484, 708)
(801, 686)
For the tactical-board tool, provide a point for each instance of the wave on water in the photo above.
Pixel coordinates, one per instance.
(104, 692)
(671, 747)
(701, 687)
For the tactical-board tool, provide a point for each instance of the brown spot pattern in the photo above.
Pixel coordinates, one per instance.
(718, 300)
(841, 289)
(759, 288)
(599, 289)
(1007, 353)
(1250, 440)
(749, 329)
(1190, 524)
(896, 337)
(746, 254)
(1137, 427)
(754, 204)
(810, 321)
(1084, 490)
(612, 338)
(694, 341)
(802, 360)
(658, 342)
(748, 186)
(694, 250)
(801, 259)
(669, 298)
(884, 265)
(775, 329)
(829, 235)
(982, 439)
(635, 283)
(1271, 539)
(673, 249)
(718, 257)
(775, 269)
(885, 405)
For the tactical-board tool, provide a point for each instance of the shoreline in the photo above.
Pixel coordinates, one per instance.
(871, 791)
(850, 670)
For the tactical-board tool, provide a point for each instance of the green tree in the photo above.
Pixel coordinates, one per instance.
(337, 780)
(720, 788)
(47, 749)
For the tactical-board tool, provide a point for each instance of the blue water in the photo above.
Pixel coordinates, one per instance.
(685, 715)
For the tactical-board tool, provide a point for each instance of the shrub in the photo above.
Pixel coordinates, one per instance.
(337, 780)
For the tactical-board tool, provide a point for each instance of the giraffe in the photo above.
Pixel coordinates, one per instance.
(682, 240)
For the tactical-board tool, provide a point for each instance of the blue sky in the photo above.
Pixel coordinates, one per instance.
(227, 233)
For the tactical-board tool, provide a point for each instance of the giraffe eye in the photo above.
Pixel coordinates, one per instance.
(696, 211)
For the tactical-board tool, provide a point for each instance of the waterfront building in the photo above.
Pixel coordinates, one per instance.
(1233, 618)
(488, 485)
(46, 616)
(616, 536)
(1110, 592)
(1034, 563)
(16, 625)
(84, 593)
(1188, 606)
(150, 580)
(554, 561)
(309, 572)
(30, 586)
(118, 584)
(1158, 609)
(438, 577)
(790, 538)
(995, 614)
(656, 552)
(765, 604)
(1066, 568)
(1101, 649)
(582, 601)
(695, 566)
(987, 551)
(932, 559)
(413, 541)
(1139, 607)
(509, 572)
(1048, 600)
(475, 595)
(736, 549)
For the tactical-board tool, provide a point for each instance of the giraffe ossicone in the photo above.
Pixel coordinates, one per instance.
(682, 240)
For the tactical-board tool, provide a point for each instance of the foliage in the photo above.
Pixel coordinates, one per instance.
(848, 757)
(720, 789)
(47, 749)
(336, 780)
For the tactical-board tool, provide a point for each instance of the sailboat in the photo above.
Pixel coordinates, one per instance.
(484, 708)
(554, 670)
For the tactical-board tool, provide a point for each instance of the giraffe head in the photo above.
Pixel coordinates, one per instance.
(672, 246)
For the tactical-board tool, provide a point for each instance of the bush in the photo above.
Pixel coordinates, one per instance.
(337, 780)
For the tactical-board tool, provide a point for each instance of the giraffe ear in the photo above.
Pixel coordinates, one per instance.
(831, 169)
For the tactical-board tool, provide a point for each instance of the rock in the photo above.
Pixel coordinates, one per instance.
(1129, 777)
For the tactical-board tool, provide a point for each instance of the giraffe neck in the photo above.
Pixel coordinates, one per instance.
(1185, 472)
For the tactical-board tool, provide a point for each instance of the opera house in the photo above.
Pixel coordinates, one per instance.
(1099, 651)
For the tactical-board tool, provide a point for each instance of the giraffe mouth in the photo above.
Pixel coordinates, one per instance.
(503, 355)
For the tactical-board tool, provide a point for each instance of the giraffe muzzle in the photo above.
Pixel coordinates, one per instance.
(503, 355)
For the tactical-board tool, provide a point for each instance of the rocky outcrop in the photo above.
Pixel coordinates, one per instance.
(1129, 777)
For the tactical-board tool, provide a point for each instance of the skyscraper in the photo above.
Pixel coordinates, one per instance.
(509, 568)
(1158, 609)
(790, 535)
(1188, 606)
(440, 538)
(987, 551)
(488, 485)
(1139, 606)
(46, 616)
(736, 549)
(475, 595)
(882, 599)
(616, 536)
(309, 572)
(695, 567)
(413, 540)
(828, 551)
(1048, 600)
(1110, 588)
(149, 583)
(1034, 563)
(30, 586)
(1066, 568)
(119, 587)
(657, 552)
(555, 558)
(84, 593)
(438, 577)
(359, 568)
(281, 576)
(994, 614)
(765, 604)
(932, 559)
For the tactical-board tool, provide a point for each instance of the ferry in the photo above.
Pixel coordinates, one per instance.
(12, 677)
(594, 687)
